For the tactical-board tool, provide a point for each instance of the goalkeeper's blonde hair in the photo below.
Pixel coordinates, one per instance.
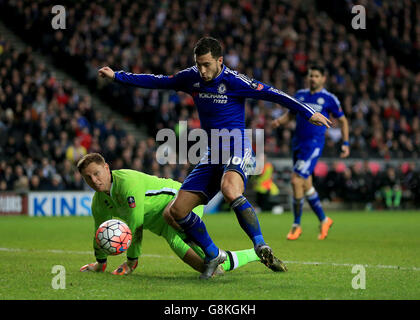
(88, 159)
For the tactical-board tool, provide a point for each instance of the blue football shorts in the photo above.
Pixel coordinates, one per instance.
(305, 158)
(206, 177)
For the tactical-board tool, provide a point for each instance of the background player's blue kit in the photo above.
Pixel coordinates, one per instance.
(308, 139)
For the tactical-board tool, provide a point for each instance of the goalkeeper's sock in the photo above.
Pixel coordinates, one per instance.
(316, 205)
(248, 220)
(237, 259)
(195, 228)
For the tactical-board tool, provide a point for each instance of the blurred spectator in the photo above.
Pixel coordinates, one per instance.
(265, 187)
(34, 183)
(75, 151)
(45, 123)
(349, 191)
(390, 188)
(3, 185)
(21, 184)
(9, 177)
(57, 183)
(365, 74)
(411, 183)
(29, 148)
(78, 182)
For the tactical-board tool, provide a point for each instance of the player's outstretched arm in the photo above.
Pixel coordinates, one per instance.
(106, 72)
(147, 81)
(249, 88)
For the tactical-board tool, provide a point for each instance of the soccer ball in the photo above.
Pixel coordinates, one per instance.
(113, 236)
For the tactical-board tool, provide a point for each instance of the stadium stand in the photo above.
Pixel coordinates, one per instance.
(271, 41)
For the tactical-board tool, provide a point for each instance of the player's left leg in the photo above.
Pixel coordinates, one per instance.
(297, 202)
(315, 203)
(233, 187)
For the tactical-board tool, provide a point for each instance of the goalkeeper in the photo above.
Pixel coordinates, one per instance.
(143, 202)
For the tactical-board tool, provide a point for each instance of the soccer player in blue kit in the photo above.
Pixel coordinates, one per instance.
(307, 144)
(219, 94)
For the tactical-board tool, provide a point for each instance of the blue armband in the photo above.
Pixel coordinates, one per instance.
(346, 143)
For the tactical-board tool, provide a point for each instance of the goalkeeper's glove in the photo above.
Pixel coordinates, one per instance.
(127, 267)
(96, 267)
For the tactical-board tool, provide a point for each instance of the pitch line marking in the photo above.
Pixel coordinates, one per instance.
(379, 266)
(70, 252)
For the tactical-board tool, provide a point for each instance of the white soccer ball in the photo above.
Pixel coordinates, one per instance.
(113, 236)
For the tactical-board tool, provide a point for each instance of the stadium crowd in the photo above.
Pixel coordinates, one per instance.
(46, 126)
(274, 42)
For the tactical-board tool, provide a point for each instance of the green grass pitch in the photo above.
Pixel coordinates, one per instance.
(387, 244)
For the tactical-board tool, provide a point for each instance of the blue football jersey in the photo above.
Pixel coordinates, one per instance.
(221, 101)
(323, 102)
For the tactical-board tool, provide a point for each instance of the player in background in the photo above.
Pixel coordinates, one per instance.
(219, 94)
(142, 201)
(307, 144)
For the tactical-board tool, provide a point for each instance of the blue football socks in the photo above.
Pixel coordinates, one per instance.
(297, 210)
(248, 219)
(316, 206)
(195, 229)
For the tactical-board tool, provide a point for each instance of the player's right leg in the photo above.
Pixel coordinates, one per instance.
(298, 193)
(232, 186)
(194, 228)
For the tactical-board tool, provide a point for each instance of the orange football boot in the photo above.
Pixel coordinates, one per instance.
(324, 227)
(294, 233)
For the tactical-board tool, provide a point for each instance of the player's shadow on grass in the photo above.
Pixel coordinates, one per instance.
(181, 278)
(194, 277)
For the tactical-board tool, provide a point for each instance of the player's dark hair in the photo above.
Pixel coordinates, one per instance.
(206, 45)
(88, 159)
(317, 67)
